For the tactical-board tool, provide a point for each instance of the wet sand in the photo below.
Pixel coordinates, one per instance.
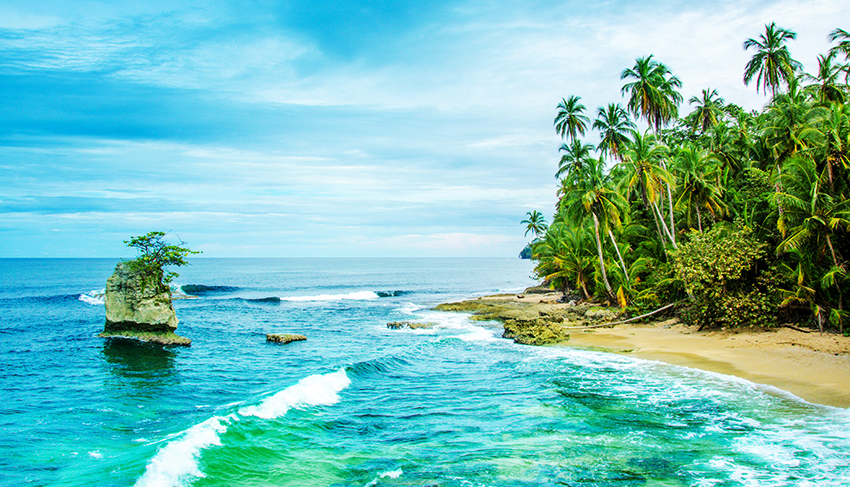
(812, 366)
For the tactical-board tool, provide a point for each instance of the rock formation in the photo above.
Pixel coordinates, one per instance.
(284, 338)
(139, 306)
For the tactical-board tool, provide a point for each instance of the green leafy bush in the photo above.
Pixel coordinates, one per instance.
(720, 270)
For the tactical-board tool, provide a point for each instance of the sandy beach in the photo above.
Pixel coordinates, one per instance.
(811, 366)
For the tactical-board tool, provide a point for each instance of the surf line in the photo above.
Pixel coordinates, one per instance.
(176, 463)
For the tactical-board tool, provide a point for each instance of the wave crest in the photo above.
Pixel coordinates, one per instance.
(314, 390)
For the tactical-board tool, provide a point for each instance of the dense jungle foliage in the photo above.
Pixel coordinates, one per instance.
(744, 216)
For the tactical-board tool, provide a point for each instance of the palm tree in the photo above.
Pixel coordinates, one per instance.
(811, 215)
(535, 223)
(697, 172)
(641, 168)
(708, 111)
(772, 63)
(594, 197)
(828, 135)
(575, 155)
(843, 38)
(652, 94)
(828, 87)
(613, 123)
(565, 256)
(571, 120)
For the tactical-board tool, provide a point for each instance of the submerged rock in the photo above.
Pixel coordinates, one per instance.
(271, 337)
(139, 306)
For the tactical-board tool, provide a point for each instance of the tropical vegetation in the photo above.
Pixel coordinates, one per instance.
(154, 255)
(744, 217)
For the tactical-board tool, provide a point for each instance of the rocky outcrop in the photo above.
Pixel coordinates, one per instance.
(284, 338)
(530, 320)
(138, 306)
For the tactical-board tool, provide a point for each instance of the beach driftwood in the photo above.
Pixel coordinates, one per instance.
(271, 337)
(602, 325)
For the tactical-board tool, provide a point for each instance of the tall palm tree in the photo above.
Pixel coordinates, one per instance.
(613, 124)
(652, 93)
(772, 63)
(641, 169)
(575, 155)
(595, 197)
(828, 86)
(708, 111)
(535, 223)
(571, 120)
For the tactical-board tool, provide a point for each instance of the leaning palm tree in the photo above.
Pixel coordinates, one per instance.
(641, 169)
(535, 223)
(708, 111)
(772, 63)
(571, 120)
(595, 197)
(613, 124)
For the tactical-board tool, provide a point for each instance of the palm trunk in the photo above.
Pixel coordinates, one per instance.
(654, 216)
(601, 259)
(672, 220)
(672, 229)
(664, 226)
(832, 250)
(699, 219)
(622, 263)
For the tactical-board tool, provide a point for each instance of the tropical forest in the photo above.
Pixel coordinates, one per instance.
(740, 218)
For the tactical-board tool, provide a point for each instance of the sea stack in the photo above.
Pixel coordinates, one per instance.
(138, 306)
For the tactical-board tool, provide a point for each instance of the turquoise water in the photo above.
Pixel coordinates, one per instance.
(358, 404)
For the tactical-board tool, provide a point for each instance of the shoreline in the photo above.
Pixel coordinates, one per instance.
(811, 366)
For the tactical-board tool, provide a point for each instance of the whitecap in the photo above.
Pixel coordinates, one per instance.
(393, 475)
(176, 463)
(314, 390)
(94, 298)
(355, 296)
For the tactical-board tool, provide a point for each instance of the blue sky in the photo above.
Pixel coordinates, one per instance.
(328, 129)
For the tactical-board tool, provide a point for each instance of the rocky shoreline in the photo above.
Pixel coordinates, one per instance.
(810, 365)
(534, 318)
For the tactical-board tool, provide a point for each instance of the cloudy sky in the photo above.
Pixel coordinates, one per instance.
(328, 129)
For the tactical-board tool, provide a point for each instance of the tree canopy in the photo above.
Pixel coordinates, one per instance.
(743, 215)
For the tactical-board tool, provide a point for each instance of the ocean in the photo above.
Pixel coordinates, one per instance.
(358, 404)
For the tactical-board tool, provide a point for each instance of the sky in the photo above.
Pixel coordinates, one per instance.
(329, 129)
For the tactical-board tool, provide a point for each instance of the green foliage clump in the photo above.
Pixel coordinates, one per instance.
(154, 255)
(719, 270)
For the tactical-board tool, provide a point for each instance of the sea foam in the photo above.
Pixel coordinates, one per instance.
(176, 464)
(314, 390)
(95, 298)
(355, 296)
